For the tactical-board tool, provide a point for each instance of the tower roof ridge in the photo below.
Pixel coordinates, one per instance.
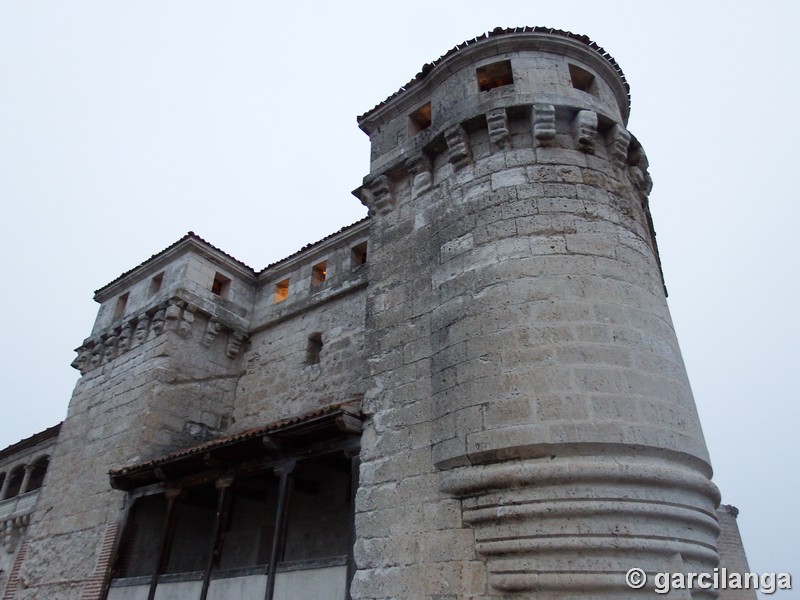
(496, 32)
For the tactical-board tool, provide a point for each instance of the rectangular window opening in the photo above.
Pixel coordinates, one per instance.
(319, 273)
(582, 80)
(358, 255)
(494, 75)
(155, 283)
(119, 309)
(281, 290)
(314, 348)
(420, 119)
(221, 285)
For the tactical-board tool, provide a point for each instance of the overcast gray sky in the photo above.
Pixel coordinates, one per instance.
(125, 124)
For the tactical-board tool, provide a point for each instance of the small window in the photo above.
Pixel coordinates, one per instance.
(38, 470)
(314, 348)
(420, 119)
(119, 309)
(155, 283)
(358, 255)
(495, 75)
(582, 80)
(221, 285)
(2, 481)
(319, 273)
(281, 290)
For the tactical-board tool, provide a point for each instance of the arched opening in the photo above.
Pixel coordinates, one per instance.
(15, 481)
(38, 470)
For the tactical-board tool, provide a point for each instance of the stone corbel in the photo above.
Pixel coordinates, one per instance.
(110, 351)
(638, 165)
(172, 315)
(157, 324)
(140, 333)
(419, 166)
(235, 340)
(83, 362)
(97, 348)
(458, 147)
(544, 122)
(212, 330)
(376, 195)
(124, 338)
(497, 122)
(584, 130)
(187, 321)
(618, 139)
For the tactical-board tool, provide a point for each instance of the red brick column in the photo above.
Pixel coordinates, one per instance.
(13, 578)
(94, 587)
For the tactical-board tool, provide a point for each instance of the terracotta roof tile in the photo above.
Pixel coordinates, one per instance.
(239, 436)
(31, 441)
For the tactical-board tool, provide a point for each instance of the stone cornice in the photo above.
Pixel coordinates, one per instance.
(556, 42)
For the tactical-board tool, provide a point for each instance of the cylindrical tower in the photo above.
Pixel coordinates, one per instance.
(517, 314)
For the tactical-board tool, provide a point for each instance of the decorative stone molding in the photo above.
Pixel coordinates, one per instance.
(140, 334)
(535, 519)
(110, 348)
(376, 195)
(187, 321)
(584, 130)
(618, 141)
(638, 170)
(212, 330)
(419, 166)
(157, 323)
(497, 121)
(543, 117)
(12, 530)
(176, 315)
(458, 147)
(124, 338)
(173, 313)
(235, 340)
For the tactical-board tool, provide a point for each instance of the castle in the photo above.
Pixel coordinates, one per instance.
(476, 392)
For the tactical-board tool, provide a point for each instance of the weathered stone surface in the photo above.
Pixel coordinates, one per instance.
(528, 426)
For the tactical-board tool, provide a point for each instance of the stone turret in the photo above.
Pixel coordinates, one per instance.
(533, 428)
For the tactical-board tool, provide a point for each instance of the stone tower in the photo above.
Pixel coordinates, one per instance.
(474, 394)
(527, 385)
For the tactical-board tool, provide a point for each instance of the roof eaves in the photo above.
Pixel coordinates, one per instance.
(190, 236)
(29, 442)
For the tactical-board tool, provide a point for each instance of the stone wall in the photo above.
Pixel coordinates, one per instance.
(532, 424)
(528, 426)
